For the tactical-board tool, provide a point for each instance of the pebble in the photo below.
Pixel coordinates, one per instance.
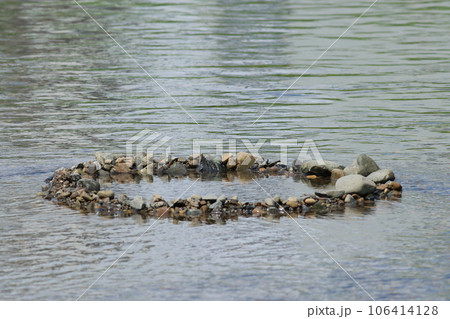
(244, 160)
(337, 173)
(395, 186)
(138, 203)
(349, 199)
(293, 202)
(105, 194)
(89, 184)
(210, 197)
(310, 201)
(194, 213)
(270, 202)
(381, 176)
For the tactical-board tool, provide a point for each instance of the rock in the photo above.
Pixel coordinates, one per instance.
(90, 168)
(222, 198)
(209, 164)
(363, 165)
(337, 173)
(88, 184)
(310, 201)
(258, 212)
(395, 186)
(311, 176)
(273, 211)
(244, 160)
(176, 169)
(123, 199)
(331, 193)
(216, 205)
(105, 158)
(349, 199)
(120, 168)
(226, 157)
(194, 213)
(270, 202)
(357, 184)
(319, 169)
(293, 202)
(231, 163)
(138, 203)
(381, 176)
(210, 197)
(382, 187)
(105, 194)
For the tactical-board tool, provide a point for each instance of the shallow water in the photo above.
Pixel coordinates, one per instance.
(67, 90)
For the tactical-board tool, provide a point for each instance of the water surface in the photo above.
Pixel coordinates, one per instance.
(67, 91)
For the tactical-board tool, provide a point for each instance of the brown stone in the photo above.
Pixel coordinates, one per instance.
(382, 187)
(292, 204)
(105, 194)
(163, 212)
(310, 201)
(120, 168)
(244, 160)
(204, 209)
(395, 186)
(337, 173)
(258, 212)
(231, 163)
(311, 176)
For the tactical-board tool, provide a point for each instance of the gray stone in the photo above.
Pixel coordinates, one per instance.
(382, 176)
(105, 158)
(222, 198)
(349, 199)
(335, 193)
(363, 165)
(319, 169)
(216, 205)
(123, 199)
(355, 184)
(138, 202)
(194, 213)
(176, 169)
(270, 202)
(88, 184)
(210, 197)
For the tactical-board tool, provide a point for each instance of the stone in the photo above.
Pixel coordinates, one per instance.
(381, 176)
(222, 198)
(123, 199)
(382, 187)
(357, 184)
(258, 212)
(319, 169)
(335, 193)
(231, 163)
(226, 157)
(293, 202)
(216, 205)
(105, 194)
(210, 197)
(244, 160)
(194, 213)
(270, 202)
(395, 186)
(349, 199)
(311, 176)
(363, 165)
(176, 169)
(337, 173)
(310, 201)
(104, 158)
(90, 168)
(120, 168)
(88, 184)
(138, 203)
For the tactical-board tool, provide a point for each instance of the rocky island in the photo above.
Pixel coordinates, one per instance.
(79, 187)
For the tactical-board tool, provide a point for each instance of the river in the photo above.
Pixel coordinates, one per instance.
(68, 90)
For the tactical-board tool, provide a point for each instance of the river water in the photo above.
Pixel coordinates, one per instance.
(67, 91)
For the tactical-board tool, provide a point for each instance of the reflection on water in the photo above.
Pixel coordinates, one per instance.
(69, 91)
